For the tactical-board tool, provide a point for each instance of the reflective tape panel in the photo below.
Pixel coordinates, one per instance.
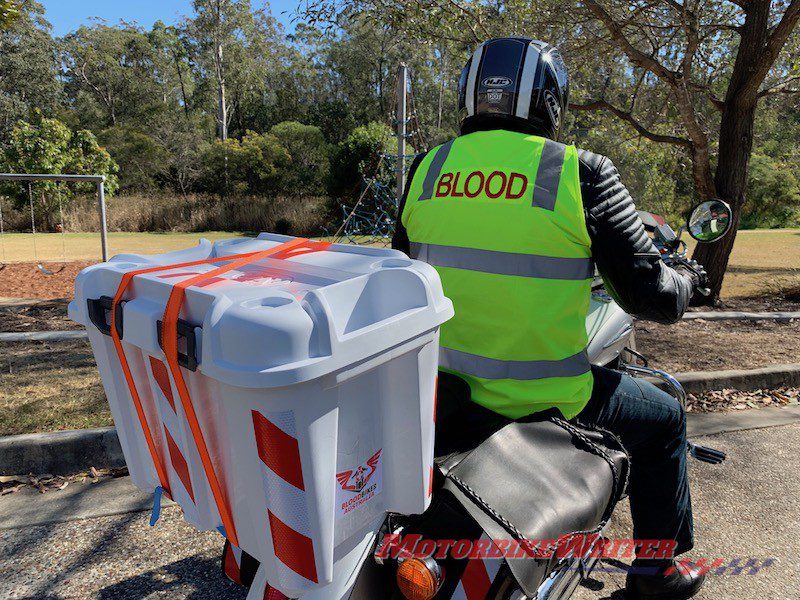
(548, 175)
(504, 263)
(434, 170)
(521, 370)
(527, 79)
(472, 80)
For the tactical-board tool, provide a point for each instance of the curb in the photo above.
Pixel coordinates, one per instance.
(64, 452)
(741, 316)
(43, 336)
(695, 382)
(60, 452)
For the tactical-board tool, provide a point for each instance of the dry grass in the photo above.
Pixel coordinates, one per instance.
(300, 215)
(86, 246)
(50, 386)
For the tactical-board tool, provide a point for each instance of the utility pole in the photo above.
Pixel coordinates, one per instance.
(402, 93)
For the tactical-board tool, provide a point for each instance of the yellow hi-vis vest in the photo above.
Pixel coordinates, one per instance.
(499, 215)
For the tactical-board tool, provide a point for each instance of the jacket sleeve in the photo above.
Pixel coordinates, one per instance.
(630, 264)
(400, 238)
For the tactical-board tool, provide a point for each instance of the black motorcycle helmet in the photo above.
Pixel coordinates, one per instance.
(516, 83)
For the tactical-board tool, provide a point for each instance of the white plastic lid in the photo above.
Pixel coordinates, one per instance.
(277, 322)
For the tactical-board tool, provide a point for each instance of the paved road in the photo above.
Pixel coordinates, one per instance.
(746, 507)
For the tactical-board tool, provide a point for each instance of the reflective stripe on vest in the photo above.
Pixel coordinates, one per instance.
(489, 368)
(503, 263)
(499, 215)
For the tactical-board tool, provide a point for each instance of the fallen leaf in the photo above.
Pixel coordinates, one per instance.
(13, 478)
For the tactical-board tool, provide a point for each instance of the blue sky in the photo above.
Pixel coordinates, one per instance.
(68, 15)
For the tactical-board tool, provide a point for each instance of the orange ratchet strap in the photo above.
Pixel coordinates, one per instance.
(296, 247)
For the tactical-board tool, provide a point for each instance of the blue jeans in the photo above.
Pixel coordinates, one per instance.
(652, 426)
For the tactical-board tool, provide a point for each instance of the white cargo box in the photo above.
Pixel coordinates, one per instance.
(313, 383)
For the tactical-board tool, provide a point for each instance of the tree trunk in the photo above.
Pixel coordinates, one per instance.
(222, 113)
(735, 145)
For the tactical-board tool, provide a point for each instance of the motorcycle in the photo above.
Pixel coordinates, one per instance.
(374, 565)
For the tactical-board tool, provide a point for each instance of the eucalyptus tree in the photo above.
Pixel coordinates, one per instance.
(235, 47)
(28, 65)
(110, 74)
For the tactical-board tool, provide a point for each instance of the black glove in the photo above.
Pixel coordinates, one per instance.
(694, 271)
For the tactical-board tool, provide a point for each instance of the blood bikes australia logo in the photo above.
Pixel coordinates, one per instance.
(357, 486)
(494, 185)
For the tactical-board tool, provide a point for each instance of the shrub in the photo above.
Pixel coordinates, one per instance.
(357, 155)
(773, 195)
(249, 166)
(49, 146)
(144, 161)
(308, 170)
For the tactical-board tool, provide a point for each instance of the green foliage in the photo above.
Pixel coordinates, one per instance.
(28, 69)
(773, 195)
(143, 160)
(9, 13)
(250, 166)
(357, 155)
(308, 170)
(49, 146)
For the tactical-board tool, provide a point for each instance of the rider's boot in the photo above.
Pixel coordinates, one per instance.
(667, 580)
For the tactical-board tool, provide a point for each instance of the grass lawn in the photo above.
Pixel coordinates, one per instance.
(47, 386)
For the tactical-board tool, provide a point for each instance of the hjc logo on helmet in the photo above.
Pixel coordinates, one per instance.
(496, 184)
(497, 81)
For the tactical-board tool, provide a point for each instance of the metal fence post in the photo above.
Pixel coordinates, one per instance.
(101, 197)
(402, 91)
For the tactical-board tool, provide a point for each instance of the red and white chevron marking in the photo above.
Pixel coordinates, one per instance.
(232, 566)
(282, 471)
(181, 491)
(478, 576)
(272, 594)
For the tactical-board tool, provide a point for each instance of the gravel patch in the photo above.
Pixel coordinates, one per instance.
(114, 557)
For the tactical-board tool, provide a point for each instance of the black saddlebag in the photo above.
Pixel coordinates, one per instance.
(532, 480)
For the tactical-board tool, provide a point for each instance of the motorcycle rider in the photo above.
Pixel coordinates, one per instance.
(513, 221)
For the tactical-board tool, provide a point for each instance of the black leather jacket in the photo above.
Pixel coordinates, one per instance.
(631, 267)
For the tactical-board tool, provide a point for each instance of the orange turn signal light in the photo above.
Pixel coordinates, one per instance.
(419, 579)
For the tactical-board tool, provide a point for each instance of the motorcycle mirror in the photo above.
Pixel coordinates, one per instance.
(710, 220)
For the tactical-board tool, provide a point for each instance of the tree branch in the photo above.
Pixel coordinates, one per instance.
(784, 87)
(635, 55)
(630, 119)
(773, 46)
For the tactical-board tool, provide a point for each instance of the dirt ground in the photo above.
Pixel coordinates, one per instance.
(18, 247)
(47, 315)
(700, 345)
(24, 280)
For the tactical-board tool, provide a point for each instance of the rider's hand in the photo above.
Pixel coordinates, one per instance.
(695, 272)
